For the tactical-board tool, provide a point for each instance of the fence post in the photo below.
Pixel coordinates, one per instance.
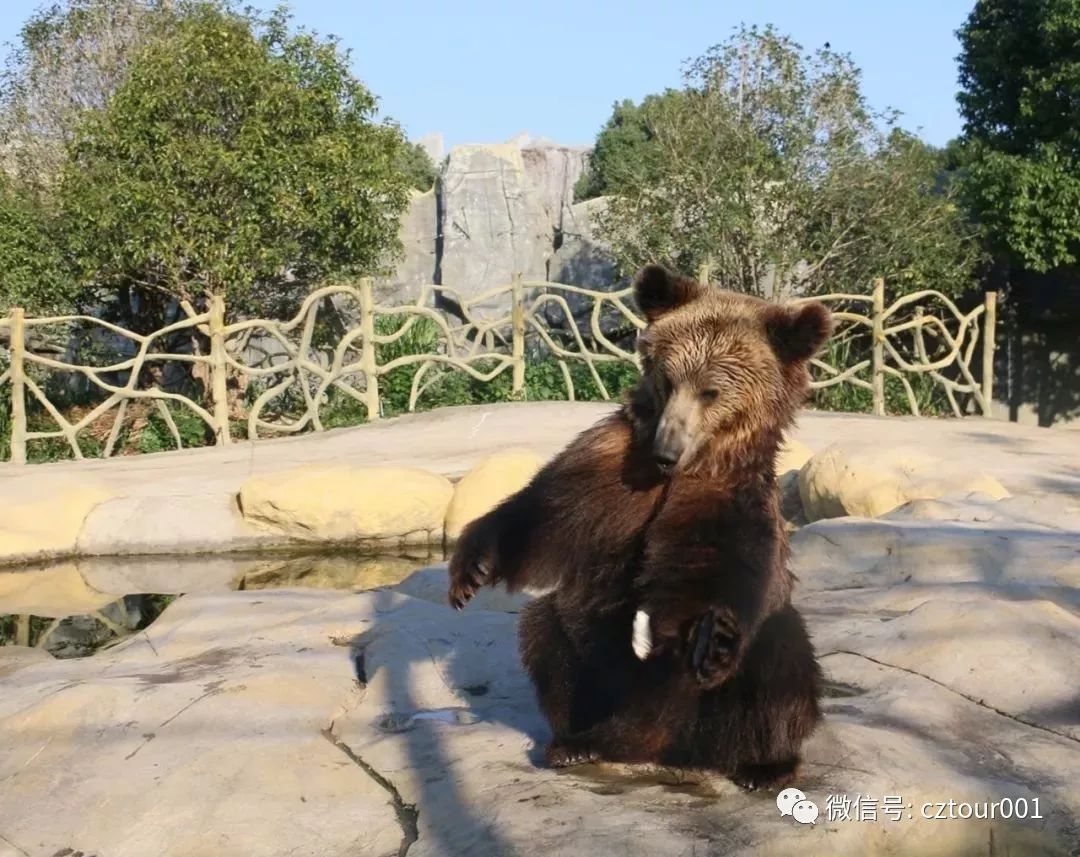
(18, 386)
(219, 371)
(517, 317)
(877, 370)
(368, 363)
(989, 344)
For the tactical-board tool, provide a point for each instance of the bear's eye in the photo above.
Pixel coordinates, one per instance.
(710, 395)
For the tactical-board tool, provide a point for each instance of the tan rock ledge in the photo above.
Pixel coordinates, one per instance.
(284, 723)
(354, 504)
(867, 482)
(187, 502)
(488, 484)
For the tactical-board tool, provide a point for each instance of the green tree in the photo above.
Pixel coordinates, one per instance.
(418, 167)
(35, 276)
(891, 213)
(954, 155)
(68, 60)
(626, 148)
(1020, 101)
(235, 157)
(770, 169)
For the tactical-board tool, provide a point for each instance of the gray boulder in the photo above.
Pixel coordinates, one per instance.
(417, 232)
(493, 224)
(552, 171)
(581, 258)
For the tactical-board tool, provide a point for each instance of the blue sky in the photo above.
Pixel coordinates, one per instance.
(484, 70)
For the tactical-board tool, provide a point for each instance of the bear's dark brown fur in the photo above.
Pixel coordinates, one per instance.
(669, 505)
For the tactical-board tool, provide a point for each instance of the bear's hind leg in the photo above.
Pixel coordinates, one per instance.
(754, 725)
(599, 705)
(549, 659)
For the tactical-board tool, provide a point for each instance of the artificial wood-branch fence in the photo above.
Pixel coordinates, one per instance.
(923, 335)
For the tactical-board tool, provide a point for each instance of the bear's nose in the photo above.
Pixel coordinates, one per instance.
(665, 459)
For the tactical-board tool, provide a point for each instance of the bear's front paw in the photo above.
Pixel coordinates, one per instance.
(714, 646)
(470, 568)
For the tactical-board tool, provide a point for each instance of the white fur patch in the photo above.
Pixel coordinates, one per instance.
(642, 635)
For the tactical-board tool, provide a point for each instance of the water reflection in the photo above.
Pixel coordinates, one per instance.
(74, 608)
(333, 571)
(82, 635)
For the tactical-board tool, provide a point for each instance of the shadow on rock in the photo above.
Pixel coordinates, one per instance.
(429, 677)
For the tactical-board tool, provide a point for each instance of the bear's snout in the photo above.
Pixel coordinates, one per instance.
(669, 444)
(664, 454)
(676, 431)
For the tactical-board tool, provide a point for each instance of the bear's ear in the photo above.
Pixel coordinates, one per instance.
(797, 332)
(658, 291)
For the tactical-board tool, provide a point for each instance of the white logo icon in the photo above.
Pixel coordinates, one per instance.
(805, 812)
(787, 799)
(794, 803)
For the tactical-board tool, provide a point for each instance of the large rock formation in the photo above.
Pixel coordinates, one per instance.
(497, 210)
(581, 259)
(419, 236)
(551, 172)
(493, 224)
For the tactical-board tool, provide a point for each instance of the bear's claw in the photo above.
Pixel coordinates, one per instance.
(465, 580)
(568, 754)
(777, 775)
(714, 646)
(641, 640)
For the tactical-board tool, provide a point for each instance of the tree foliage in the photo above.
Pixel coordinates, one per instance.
(171, 148)
(769, 167)
(34, 273)
(68, 60)
(234, 157)
(626, 149)
(1020, 100)
(418, 167)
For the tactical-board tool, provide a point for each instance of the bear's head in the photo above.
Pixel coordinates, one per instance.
(723, 373)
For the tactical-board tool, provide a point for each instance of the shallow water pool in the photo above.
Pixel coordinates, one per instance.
(73, 608)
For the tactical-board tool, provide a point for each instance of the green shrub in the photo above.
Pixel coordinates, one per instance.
(156, 436)
(847, 398)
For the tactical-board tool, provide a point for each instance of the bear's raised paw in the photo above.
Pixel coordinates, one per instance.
(714, 647)
(465, 581)
(470, 566)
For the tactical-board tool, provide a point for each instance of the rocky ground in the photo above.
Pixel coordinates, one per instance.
(941, 585)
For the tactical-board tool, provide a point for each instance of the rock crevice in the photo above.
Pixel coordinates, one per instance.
(407, 814)
(979, 702)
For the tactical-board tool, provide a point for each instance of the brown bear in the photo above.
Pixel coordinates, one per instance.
(669, 506)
